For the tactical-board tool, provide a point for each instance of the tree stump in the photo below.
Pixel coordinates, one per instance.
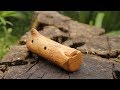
(101, 53)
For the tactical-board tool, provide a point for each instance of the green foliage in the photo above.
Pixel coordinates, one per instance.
(81, 16)
(99, 19)
(11, 14)
(13, 24)
(113, 33)
(21, 26)
(5, 43)
(109, 20)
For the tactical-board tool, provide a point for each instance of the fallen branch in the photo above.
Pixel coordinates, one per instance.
(68, 58)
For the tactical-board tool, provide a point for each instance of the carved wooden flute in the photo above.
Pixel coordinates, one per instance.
(67, 58)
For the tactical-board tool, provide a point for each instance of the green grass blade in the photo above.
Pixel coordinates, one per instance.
(99, 19)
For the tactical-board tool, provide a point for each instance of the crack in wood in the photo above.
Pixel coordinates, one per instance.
(105, 54)
(41, 26)
(15, 63)
(43, 75)
(75, 45)
(115, 73)
(5, 65)
(63, 30)
(4, 68)
(109, 55)
(29, 68)
(31, 74)
(60, 39)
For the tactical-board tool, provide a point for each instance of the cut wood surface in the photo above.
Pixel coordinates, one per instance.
(101, 53)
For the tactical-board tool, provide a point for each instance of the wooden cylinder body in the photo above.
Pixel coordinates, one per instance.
(67, 58)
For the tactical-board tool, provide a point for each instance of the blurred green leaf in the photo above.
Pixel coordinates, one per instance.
(8, 22)
(11, 14)
(99, 19)
(91, 23)
(2, 20)
(9, 30)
